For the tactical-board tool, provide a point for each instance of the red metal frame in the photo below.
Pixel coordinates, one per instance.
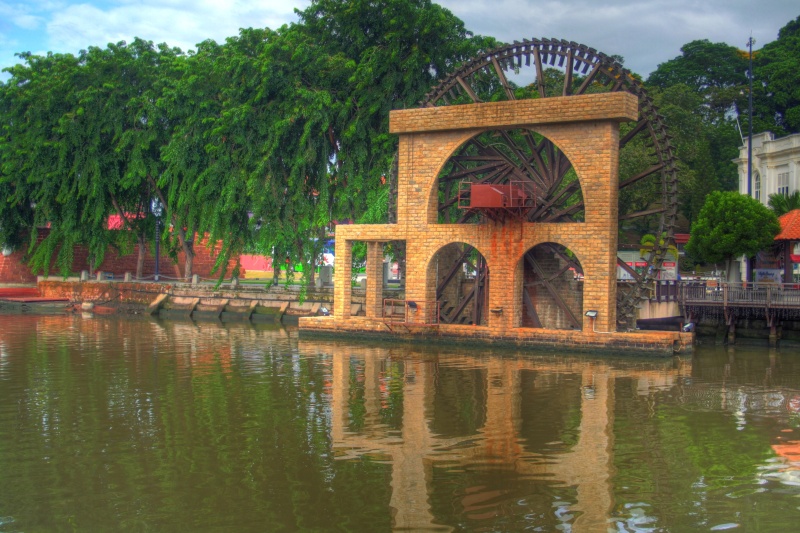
(497, 200)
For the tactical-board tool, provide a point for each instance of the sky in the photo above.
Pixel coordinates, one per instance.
(644, 32)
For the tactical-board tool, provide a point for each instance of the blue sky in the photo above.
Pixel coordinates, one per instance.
(644, 32)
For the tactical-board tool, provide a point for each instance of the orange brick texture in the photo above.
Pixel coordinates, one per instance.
(585, 128)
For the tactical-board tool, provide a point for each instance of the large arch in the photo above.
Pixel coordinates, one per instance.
(517, 160)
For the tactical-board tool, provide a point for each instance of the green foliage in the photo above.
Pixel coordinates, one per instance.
(647, 239)
(783, 203)
(777, 72)
(717, 72)
(80, 135)
(730, 225)
(704, 147)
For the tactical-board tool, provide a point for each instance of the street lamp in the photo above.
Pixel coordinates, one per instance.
(157, 211)
(750, 43)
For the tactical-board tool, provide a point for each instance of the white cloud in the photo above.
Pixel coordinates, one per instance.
(177, 22)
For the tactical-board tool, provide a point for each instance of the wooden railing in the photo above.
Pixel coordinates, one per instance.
(740, 294)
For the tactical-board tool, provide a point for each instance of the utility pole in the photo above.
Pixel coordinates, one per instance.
(750, 43)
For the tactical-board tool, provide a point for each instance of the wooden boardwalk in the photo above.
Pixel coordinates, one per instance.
(771, 303)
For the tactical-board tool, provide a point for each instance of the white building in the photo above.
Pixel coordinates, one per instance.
(776, 166)
(776, 169)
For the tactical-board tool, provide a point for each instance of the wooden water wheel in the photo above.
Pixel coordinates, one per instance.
(545, 68)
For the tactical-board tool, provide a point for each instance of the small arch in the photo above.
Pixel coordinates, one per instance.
(551, 290)
(460, 277)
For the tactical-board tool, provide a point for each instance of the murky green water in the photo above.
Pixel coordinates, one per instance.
(120, 425)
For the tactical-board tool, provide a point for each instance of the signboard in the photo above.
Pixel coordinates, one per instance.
(669, 270)
(768, 275)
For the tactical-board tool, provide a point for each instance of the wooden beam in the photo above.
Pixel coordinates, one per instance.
(559, 301)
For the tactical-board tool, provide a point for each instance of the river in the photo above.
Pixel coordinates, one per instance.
(112, 424)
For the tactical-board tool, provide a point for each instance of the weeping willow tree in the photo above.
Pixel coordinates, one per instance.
(79, 136)
(260, 142)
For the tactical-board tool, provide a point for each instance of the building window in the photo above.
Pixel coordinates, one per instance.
(757, 186)
(783, 183)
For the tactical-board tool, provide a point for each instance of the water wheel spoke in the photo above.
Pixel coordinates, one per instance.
(567, 211)
(553, 292)
(464, 85)
(640, 214)
(641, 175)
(470, 295)
(474, 171)
(533, 173)
(627, 268)
(564, 166)
(589, 79)
(536, 158)
(537, 59)
(532, 314)
(571, 263)
(503, 80)
(452, 272)
(566, 192)
(568, 74)
(640, 126)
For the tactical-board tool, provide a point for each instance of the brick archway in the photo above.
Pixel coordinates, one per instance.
(587, 133)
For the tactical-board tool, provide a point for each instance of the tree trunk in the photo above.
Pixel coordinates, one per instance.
(276, 269)
(142, 254)
(185, 246)
(308, 266)
(188, 253)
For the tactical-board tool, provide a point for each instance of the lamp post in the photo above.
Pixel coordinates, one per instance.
(750, 42)
(157, 210)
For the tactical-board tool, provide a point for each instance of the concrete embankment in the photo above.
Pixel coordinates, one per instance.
(258, 303)
(255, 302)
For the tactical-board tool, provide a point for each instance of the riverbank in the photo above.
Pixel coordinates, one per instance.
(265, 302)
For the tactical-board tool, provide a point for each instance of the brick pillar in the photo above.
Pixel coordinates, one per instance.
(499, 307)
(342, 279)
(374, 296)
(601, 194)
(421, 280)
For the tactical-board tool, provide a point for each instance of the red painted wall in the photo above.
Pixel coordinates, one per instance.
(14, 270)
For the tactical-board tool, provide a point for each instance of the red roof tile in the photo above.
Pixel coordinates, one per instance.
(790, 226)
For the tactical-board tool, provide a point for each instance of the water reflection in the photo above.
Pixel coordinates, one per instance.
(111, 424)
(528, 437)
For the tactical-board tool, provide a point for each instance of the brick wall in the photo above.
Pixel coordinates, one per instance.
(618, 106)
(14, 270)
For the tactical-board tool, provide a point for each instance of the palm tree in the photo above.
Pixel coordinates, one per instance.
(783, 203)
